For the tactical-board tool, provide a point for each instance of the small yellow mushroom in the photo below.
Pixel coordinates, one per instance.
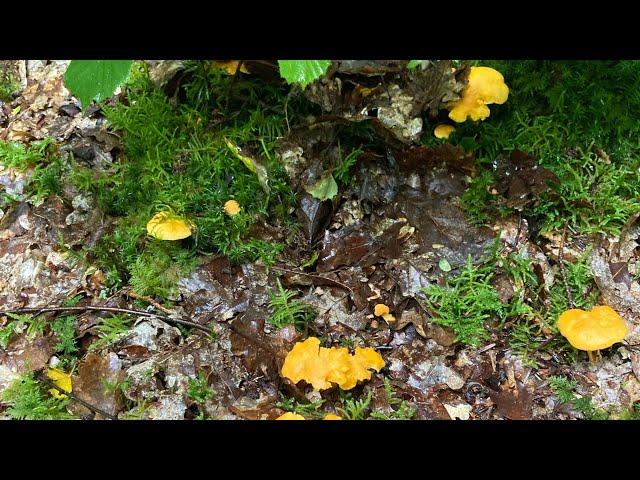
(380, 309)
(485, 86)
(389, 318)
(231, 207)
(166, 226)
(230, 66)
(290, 416)
(592, 330)
(331, 416)
(443, 130)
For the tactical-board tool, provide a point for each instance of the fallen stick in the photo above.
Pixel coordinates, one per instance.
(142, 313)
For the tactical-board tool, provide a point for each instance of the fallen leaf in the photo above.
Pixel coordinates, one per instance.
(252, 164)
(324, 189)
(458, 412)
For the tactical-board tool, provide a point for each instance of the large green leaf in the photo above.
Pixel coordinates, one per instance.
(95, 79)
(324, 189)
(302, 72)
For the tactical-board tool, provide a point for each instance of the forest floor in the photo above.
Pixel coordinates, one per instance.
(476, 243)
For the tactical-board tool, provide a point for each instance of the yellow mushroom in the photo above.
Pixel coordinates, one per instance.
(443, 130)
(231, 207)
(485, 86)
(290, 416)
(331, 416)
(230, 66)
(167, 226)
(592, 330)
(380, 309)
(323, 367)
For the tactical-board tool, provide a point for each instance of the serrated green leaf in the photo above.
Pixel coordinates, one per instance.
(444, 265)
(95, 79)
(324, 189)
(414, 64)
(302, 72)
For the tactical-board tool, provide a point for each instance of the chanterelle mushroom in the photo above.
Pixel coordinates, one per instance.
(166, 226)
(485, 85)
(443, 130)
(594, 330)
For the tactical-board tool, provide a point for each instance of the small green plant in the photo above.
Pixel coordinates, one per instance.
(110, 330)
(564, 389)
(138, 411)
(286, 310)
(632, 413)
(32, 325)
(354, 409)
(65, 329)
(466, 302)
(342, 172)
(8, 84)
(477, 200)
(115, 385)
(29, 399)
(581, 284)
(308, 410)
(45, 168)
(199, 390)
(400, 408)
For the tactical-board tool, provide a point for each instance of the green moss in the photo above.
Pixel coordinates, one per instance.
(176, 157)
(583, 289)
(285, 310)
(110, 330)
(466, 302)
(39, 160)
(554, 110)
(8, 84)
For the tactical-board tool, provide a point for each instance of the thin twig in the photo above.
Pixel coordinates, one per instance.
(562, 270)
(315, 276)
(149, 300)
(130, 311)
(93, 408)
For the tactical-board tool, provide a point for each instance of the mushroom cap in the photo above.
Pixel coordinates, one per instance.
(596, 329)
(322, 367)
(232, 207)
(332, 416)
(485, 86)
(380, 309)
(290, 416)
(165, 226)
(443, 130)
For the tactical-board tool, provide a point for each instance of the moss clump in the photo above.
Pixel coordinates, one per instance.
(556, 109)
(176, 156)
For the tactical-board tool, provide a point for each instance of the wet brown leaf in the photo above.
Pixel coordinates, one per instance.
(89, 383)
(513, 403)
(521, 179)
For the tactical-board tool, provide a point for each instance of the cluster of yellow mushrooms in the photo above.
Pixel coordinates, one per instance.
(484, 87)
(325, 368)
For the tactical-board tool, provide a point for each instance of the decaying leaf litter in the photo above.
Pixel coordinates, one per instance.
(391, 226)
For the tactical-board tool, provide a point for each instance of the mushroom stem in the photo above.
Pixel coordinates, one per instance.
(592, 355)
